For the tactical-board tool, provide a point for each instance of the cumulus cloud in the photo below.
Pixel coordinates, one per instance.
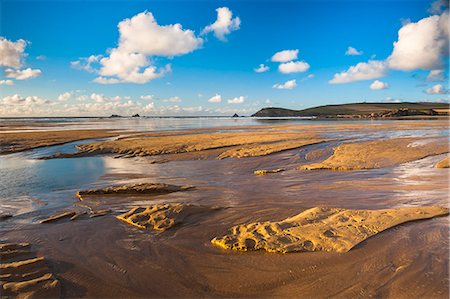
(147, 97)
(103, 80)
(6, 82)
(378, 85)
(101, 98)
(261, 69)
(421, 45)
(24, 101)
(224, 24)
(215, 99)
(362, 71)
(437, 89)
(353, 52)
(286, 85)
(293, 67)
(41, 57)
(192, 109)
(140, 39)
(436, 75)
(285, 56)
(174, 99)
(128, 67)
(237, 100)
(11, 53)
(22, 74)
(86, 63)
(64, 96)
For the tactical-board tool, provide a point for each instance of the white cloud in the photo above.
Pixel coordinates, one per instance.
(22, 74)
(6, 82)
(141, 38)
(436, 75)
(101, 98)
(103, 80)
(142, 34)
(64, 96)
(41, 57)
(174, 99)
(353, 52)
(285, 56)
(128, 67)
(86, 63)
(147, 97)
(215, 99)
(192, 109)
(421, 45)
(293, 67)
(437, 89)
(378, 85)
(261, 69)
(224, 24)
(310, 76)
(82, 98)
(362, 71)
(286, 85)
(11, 53)
(237, 100)
(24, 101)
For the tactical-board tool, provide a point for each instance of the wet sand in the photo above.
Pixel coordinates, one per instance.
(17, 142)
(106, 257)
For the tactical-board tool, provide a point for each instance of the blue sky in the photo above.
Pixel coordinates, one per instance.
(223, 60)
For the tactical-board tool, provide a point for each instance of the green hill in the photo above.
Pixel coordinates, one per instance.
(362, 109)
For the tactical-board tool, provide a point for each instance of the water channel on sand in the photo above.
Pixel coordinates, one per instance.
(104, 257)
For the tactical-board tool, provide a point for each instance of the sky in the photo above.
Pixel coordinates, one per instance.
(181, 58)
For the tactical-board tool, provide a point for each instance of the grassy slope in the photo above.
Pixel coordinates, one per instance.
(349, 109)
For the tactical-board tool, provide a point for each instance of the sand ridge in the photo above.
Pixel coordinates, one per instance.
(134, 189)
(17, 142)
(23, 275)
(380, 153)
(321, 229)
(262, 143)
(161, 217)
(445, 163)
(267, 171)
(267, 149)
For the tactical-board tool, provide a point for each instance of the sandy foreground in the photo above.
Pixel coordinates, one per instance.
(314, 211)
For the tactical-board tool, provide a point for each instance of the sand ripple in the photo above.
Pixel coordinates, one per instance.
(321, 229)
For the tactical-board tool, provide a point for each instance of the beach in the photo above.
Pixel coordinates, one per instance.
(131, 208)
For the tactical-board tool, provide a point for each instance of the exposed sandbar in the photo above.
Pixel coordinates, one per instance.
(21, 141)
(262, 143)
(134, 189)
(445, 163)
(321, 229)
(161, 217)
(267, 171)
(380, 153)
(266, 149)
